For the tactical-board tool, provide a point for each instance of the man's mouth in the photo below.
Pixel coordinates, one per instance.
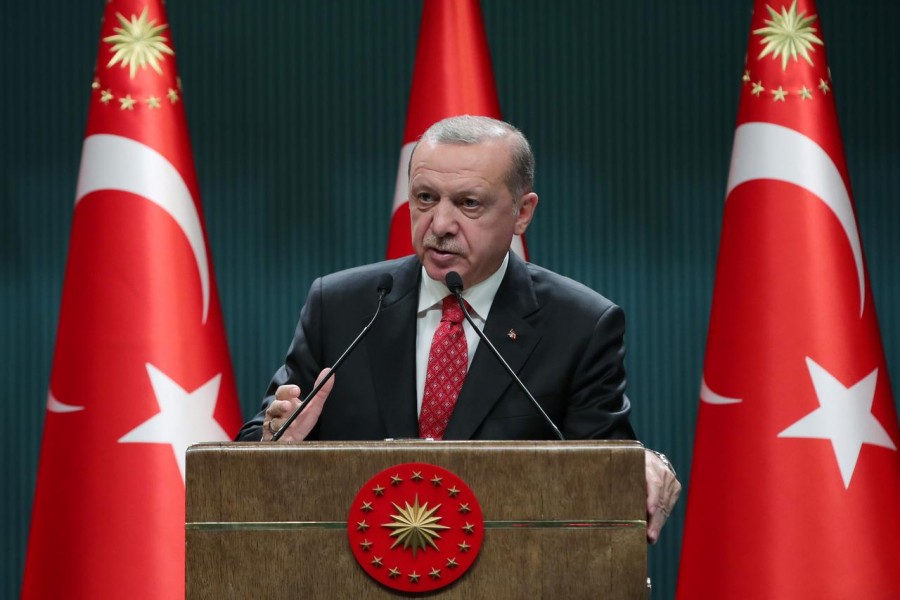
(442, 255)
(441, 247)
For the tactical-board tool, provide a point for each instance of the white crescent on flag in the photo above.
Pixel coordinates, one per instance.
(113, 162)
(710, 397)
(768, 151)
(54, 405)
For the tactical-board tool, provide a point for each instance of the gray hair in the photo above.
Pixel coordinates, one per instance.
(469, 129)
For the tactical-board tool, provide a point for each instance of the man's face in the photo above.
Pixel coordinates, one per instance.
(462, 212)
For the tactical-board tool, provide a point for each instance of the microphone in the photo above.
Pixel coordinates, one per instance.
(385, 284)
(455, 285)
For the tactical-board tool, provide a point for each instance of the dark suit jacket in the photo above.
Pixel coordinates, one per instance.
(568, 350)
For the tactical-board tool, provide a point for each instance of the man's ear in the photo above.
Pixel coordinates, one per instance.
(526, 212)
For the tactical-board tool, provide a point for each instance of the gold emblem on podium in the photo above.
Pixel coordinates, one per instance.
(423, 527)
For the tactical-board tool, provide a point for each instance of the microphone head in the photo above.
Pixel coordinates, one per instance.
(454, 282)
(385, 284)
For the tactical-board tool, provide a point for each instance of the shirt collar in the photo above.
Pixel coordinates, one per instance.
(480, 296)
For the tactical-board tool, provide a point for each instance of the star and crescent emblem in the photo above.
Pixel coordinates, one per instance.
(415, 527)
(768, 151)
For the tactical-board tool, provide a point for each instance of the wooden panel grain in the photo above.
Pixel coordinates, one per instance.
(561, 519)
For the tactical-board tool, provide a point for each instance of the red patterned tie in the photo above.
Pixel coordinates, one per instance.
(447, 365)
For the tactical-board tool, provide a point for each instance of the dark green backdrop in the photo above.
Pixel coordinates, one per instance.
(297, 110)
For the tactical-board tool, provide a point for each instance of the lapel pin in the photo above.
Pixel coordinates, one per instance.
(512, 335)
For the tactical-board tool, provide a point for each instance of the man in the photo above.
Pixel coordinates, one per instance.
(470, 192)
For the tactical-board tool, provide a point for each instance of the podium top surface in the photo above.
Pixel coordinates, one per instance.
(514, 480)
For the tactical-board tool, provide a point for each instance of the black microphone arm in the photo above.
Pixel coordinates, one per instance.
(385, 284)
(455, 285)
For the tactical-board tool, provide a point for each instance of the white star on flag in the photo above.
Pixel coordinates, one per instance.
(185, 418)
(844, 417)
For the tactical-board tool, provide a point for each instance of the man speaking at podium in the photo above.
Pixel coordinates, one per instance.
(421, 370)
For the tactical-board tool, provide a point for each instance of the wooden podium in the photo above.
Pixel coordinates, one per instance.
(561, 519)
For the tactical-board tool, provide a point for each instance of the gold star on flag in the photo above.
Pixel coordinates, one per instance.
(453, 491)
(435, 573)
(106, 96)
(379, 491)
(153, 102)
(95, 85)
(173, 96)
(451, 563)
(779, 94)
(464, 547)
(788, 35)
(805, 94)
(436, 480)
(394, 573)
(746, 77)
(757, 89)
(127, 102)
(366, 545)
(396, 480)
(138, 43)
(362, 525)
(823, 85)
(376, 562)
(414, 577)
(367, 507)
(417, 476)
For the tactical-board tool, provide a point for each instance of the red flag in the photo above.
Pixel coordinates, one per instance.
(796, 475)
(141, 368)
(452, 76)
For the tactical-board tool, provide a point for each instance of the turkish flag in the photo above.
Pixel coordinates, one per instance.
(141, 368)
(452, 76)
(795, 482)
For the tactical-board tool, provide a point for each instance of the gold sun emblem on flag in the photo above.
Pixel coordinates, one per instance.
(415, 526)
(788, 35)
(138, 43)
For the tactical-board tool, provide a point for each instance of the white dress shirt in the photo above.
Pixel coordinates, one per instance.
(431, 296)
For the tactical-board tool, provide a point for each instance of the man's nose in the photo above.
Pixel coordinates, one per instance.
(443, 220)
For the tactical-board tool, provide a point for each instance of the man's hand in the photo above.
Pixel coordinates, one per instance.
(287, 398)
(663, 490)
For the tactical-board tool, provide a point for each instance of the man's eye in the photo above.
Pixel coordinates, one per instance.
(424, 197)
(471, 203)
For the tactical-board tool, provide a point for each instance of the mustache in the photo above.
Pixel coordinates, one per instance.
(442, 244)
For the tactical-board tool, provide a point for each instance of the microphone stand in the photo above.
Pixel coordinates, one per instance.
(455, 285)
(384, 288)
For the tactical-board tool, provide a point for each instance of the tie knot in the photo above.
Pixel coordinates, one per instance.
(451, 310)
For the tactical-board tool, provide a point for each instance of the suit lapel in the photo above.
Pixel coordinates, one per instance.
(391, 347)
(487, 379)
